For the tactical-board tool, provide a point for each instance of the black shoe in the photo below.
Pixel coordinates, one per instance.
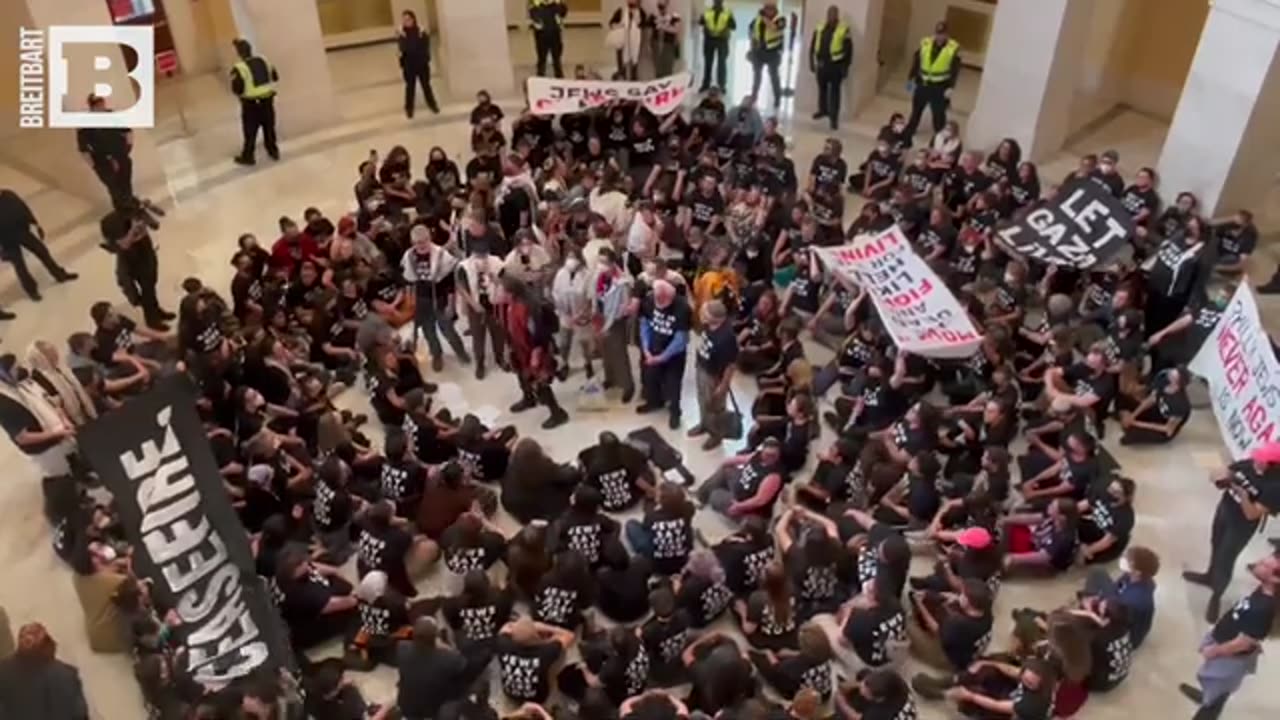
(242, 160)
(1213, 610)
(65, 276)
(558, 418)
(929, 687)
(429, 387)
(525, 403)
(35, 295)
(644, 408)
(1191, 693)
(152, 208)
(437, 363)
(674, 421)
(408, 113)
(435, 109)
(833, 419)
(479, 371)
(711, 443)
(590, 371)
(6, 315)
(628, 396)
(274, 154)
(158, 325)
(1270, 287)
(1195, 577)
(166, 315)
(563, 373)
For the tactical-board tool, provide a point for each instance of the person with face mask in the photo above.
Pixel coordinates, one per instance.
(830, 55)
(415, 63)
(571, 294)
(611, 291)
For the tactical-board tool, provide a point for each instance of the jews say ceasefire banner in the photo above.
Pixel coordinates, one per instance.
(1243, 375)
(554, 96)
(154, 457)
(918, 311)
(1081, 226)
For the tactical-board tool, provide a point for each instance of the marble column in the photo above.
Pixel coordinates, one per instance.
(475, 50)
(863, 18)
(50, 156)
(1033, 64)
(1223, 137)
(287, 33)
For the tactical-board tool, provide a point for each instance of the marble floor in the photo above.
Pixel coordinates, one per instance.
(213, 202)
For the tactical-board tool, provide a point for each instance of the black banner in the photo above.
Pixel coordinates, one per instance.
(1082, 226)
(154, 457)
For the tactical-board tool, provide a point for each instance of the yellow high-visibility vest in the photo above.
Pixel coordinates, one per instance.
(534, 4)
(253, 90)
(767, 34)
(838, 36)
(936, 68)
(717, 24)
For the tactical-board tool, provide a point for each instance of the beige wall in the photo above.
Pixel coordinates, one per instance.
(1158, 48)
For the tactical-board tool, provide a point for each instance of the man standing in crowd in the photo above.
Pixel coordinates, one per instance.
(430, 269)
(531, 330)
(547, 19)
(20, 231)
(664, 339)
(109, 153)
(768, 31)
(829, 60)
(1250, 492)
(1231, 650)
(137, 267)
(717, 354)
(934, 70)
(717, 25)
(253, 80)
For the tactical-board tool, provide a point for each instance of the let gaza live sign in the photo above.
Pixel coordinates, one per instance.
(556, 96)
(918, 310)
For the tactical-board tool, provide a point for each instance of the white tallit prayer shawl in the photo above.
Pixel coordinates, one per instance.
(74, 399)
(30, 395)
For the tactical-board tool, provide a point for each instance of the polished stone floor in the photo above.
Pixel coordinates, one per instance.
(212, 202)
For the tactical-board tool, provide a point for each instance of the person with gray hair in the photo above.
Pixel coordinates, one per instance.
(717, 351)
(665, 320)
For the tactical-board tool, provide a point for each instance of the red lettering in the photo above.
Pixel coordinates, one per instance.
(1231, 354)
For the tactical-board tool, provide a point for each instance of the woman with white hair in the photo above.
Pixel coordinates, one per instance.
(384, 621)
(701, 590)
(51, 372)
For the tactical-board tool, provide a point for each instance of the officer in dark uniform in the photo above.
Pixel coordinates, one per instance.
(717, 27)
(253, 80)
(829, 57)
(19, 231)
(137, 267)
(768, 31)
(109, 151)
(935, 66)
(547, 19)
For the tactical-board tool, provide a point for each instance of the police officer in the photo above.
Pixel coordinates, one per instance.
(415, 63)
(547, 19)
(108, 151)
(253, 80)
(767, 34)
(717, 25)
(934, 70)
(137, 267)
(829, 57)
(20, 231)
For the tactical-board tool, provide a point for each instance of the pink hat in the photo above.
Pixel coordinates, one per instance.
(1269, 453)
(975, 537)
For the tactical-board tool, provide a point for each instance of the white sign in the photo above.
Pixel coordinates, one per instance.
(554, 96)
(81, 60)
(1243, 375)
(919, 312)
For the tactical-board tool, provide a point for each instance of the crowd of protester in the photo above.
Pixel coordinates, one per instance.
(626, 247)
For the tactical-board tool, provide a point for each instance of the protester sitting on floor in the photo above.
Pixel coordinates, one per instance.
(950, 631)
(316, 602)
(747, 484)
(788, 672)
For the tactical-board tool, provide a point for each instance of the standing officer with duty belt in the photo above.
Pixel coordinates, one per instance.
(547, 19)
(829, 59)
(253, 80)
(767, 32)
(717, 25)
(934, 70)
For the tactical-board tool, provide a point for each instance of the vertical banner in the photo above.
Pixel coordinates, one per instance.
(154, 457)
(1243, 375)
(557, 96)
(919, 312)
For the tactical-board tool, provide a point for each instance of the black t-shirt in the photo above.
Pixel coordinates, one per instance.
(479, 620)
(384, 616)
(665, 639)
(400, 481)
(586, 536)
(933, 238)
(558, 604)
(717, 349)
(664, 323)
(892, 707)
(332, 507)
(964, 637)
(744, 562)
(1031, 704)
(1058, 543)
(16, 418)
(812, 582)
(245, 289)
(461, 558)
(117, 339)
(1135, 200)
(703, 600)
(383, 549)
(828, 171)
(1262, 488)
(704, 208)
(1173, 405)
(871, 630)
(1252, 615)
(1112, 652)
(802, 672)
(305, 599)
(525, 669)
(879, 168)
(428, 679)
(672, 539)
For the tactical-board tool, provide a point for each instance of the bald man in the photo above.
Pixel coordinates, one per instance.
(665, 320)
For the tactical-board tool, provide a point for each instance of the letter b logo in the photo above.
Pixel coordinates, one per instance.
(89, 59)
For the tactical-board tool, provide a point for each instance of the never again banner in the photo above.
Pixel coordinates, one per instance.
(1243, 375)
(555, 96)
(154, 457)
(1081, 226)
(918, 310)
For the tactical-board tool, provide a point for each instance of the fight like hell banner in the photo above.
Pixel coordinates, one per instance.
(918, 310)
(1082, 226)
(1243, 375)
(154, 457)
(552, 96)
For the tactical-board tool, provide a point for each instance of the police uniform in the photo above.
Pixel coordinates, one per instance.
(253, 80)
(547, 19)
(109, 150)
(717, 25)
(829, 57)
(933, 72)
(766, 51)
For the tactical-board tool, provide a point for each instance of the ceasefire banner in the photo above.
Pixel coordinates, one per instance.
(1243, 375)
(1081, 226)
(556, 96)
(154, 457)
(921, 315)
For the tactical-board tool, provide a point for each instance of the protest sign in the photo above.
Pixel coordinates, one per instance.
(1081, 226)
(921, 315)
(1243, 375)
(554, 96)
(154, 457)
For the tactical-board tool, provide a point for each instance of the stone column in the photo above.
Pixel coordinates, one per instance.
(1222, 140)
(1033, 63)
(863, 18)
(287, 33)
(476, 53)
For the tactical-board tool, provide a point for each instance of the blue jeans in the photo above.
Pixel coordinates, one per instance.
(639, 537)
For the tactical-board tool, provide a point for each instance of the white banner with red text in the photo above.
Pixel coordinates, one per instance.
(1243, 374)
(918, 310)
(557, 96)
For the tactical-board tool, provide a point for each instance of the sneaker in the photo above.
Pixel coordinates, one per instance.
(556, 420)
(275, 154)
(167, 315)
(65, 276)
(523, 404)
(35, 295)
(645, 408)
(1192, 693)
(697, 431)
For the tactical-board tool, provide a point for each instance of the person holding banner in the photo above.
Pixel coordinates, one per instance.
(830, 55)
(1250, 492)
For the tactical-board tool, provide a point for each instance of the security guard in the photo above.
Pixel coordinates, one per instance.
(253, 80)
(829, 57)
(934, 70)
(767, 34)
(109, 152)
(547, 19)
(717, 25)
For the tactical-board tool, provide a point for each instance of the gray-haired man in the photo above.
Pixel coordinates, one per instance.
(717, 350)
